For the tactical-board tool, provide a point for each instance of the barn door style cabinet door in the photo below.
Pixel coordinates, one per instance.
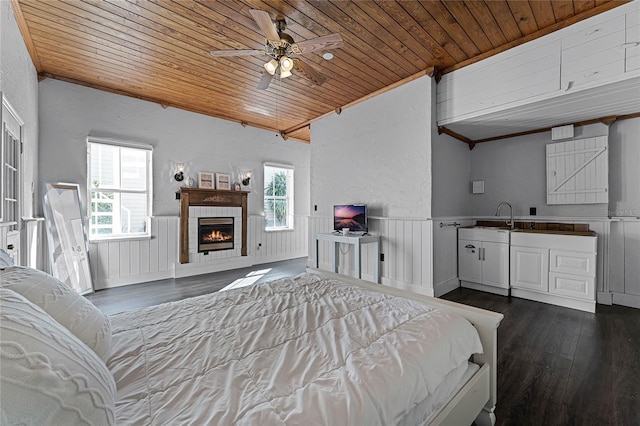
(578, 171)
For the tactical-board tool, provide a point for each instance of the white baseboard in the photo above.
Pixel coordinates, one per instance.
(630, 300)
(486, 288)
(199, 268)
(131, 279)
(427, 291)
(604, 298)
(258, 260)
(582, 305)
(445, 287)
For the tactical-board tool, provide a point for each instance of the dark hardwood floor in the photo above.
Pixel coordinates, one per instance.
(130, 297)
(560, 366)
(556, 366)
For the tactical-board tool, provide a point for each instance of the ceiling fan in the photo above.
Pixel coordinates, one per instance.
(283, 50)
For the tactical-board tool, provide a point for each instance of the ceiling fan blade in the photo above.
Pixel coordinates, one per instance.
(264, 81)
(309, 72)
(237, 52)
(333, 41)
(265, 24)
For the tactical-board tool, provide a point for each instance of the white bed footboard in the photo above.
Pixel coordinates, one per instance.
(477, 399)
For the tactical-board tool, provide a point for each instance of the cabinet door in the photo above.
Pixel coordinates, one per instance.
(469, 261)
(495, 265)
(530, 268)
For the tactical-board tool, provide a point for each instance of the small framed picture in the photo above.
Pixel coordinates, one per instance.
(223, 181)
(205, 180)
(236, 186)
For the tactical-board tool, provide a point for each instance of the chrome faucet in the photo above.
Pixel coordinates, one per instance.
(510, 222)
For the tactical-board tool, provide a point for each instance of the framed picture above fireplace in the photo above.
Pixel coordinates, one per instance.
(223, 181)
(205, 180)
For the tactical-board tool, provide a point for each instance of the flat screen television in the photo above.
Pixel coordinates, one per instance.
(352, 216)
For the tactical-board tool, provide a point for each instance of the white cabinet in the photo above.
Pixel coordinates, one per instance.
(594, 54)
(632, 42)
(483, 259)
(554, 268)
(530, 268)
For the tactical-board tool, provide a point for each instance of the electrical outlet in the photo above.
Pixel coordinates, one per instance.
(381, 257)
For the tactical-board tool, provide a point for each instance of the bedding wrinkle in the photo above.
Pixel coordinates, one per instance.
(281, 353)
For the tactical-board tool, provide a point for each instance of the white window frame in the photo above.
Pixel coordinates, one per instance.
(13, 127)
(289, 198)
(148, 191)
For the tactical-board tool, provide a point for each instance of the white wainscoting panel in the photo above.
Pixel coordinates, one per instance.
(115, 263)
(273, 246)
(445, 253)
(624, 268)
(405, 244)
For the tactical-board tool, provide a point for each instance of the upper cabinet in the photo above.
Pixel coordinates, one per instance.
(593, 55)
(632, 42)
(519, 73)
(588, 70)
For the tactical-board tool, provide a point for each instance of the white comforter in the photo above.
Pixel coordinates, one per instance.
(305, 350)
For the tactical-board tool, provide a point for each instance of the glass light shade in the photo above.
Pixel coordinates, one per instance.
(285, 74)
(271, 66)
(286, 64)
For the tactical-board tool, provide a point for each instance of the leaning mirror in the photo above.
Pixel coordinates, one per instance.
(68, 249)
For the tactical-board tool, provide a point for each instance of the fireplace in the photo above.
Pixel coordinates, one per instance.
(215, 233)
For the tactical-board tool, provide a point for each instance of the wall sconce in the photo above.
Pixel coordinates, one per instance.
(179, 176)
(246, 178)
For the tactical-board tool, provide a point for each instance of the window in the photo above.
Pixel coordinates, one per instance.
(278, 197)
(119, 186)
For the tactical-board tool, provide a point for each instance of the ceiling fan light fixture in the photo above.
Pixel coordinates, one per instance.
(284, 73)
(286, 65)
(271, 66)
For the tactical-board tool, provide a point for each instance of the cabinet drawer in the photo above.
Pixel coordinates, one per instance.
(569, 262)
(572, 285)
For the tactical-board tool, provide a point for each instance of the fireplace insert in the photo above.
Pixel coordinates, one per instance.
(215, 233)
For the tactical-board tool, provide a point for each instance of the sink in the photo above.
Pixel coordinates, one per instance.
(501, 228)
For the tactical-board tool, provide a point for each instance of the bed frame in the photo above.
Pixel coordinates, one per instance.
(476, 401)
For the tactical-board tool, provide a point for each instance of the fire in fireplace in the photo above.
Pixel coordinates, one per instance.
(215, 233)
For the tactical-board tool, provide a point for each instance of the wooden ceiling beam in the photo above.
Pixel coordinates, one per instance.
(26, 35)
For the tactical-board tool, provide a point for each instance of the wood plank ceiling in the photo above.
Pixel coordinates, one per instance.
(158, 50)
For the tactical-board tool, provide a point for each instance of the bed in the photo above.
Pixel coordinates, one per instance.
(317, 348)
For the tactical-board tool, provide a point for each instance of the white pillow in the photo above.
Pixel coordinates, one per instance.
(5, 259)
(64, 304)
(48, 376)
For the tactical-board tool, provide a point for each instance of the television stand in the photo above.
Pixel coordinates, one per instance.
(357, 241)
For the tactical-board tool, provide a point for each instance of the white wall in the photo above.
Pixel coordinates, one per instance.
(69, 113)
(378, 152)
(514, 170)
(624, 168)
(19, 86)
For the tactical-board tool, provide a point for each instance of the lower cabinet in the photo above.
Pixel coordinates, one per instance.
(483, 259)
(530, 268)
(554, 268)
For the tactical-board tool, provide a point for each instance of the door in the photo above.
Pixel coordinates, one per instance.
(469, 261)
(11, 178)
